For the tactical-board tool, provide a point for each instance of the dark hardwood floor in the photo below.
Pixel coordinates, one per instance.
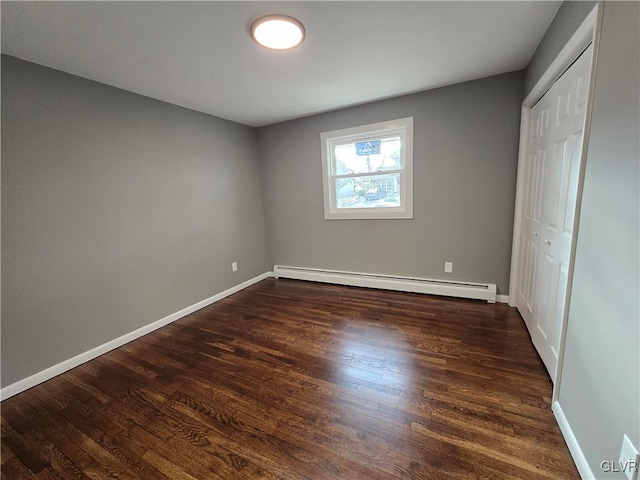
(297, 380)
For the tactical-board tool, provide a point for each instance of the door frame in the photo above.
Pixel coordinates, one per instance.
(588, 32)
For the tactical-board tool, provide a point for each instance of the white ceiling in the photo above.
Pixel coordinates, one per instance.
(199, 54)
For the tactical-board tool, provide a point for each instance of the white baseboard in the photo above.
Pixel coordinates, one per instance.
(502, 298)
(572, 442)
(479, 291)
(44, 375)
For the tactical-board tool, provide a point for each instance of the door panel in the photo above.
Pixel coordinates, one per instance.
(558, 309)
(532, 264)
(582, 90)
(546, 278)
(554, 189)
(538, 184)
(563, 101)
(572, 189)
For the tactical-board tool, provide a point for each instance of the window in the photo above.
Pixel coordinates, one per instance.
(367, 171)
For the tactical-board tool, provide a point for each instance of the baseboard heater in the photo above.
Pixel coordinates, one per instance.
(479, 291)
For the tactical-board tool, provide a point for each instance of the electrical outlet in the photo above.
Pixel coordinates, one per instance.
(234, 267)
(629, 459)
(448, 267)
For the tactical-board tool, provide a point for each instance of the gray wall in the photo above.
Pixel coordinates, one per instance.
(600, 389)
(565, 23)
(117, 210)
(465, 160)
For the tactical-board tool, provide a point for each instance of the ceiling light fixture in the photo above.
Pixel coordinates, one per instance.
(277, 32)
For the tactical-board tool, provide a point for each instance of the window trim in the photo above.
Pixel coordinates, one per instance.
(362, 133)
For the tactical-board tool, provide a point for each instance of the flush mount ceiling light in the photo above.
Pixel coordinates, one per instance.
(277, 32)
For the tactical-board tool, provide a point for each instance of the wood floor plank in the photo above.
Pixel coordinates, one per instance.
(15, 469)
(297, 380)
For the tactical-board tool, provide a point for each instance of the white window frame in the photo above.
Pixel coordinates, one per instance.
(402, 127)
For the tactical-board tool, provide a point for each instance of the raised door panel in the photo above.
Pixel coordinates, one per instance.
(572, 184)
(532, 269)
(539, 170)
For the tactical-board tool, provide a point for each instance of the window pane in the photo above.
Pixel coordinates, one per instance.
(375, 191)
(368, 156)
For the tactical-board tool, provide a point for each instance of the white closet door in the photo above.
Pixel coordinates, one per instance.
(532, 215)
(553, 168)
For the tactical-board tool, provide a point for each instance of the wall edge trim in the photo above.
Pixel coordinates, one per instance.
(572, 442)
